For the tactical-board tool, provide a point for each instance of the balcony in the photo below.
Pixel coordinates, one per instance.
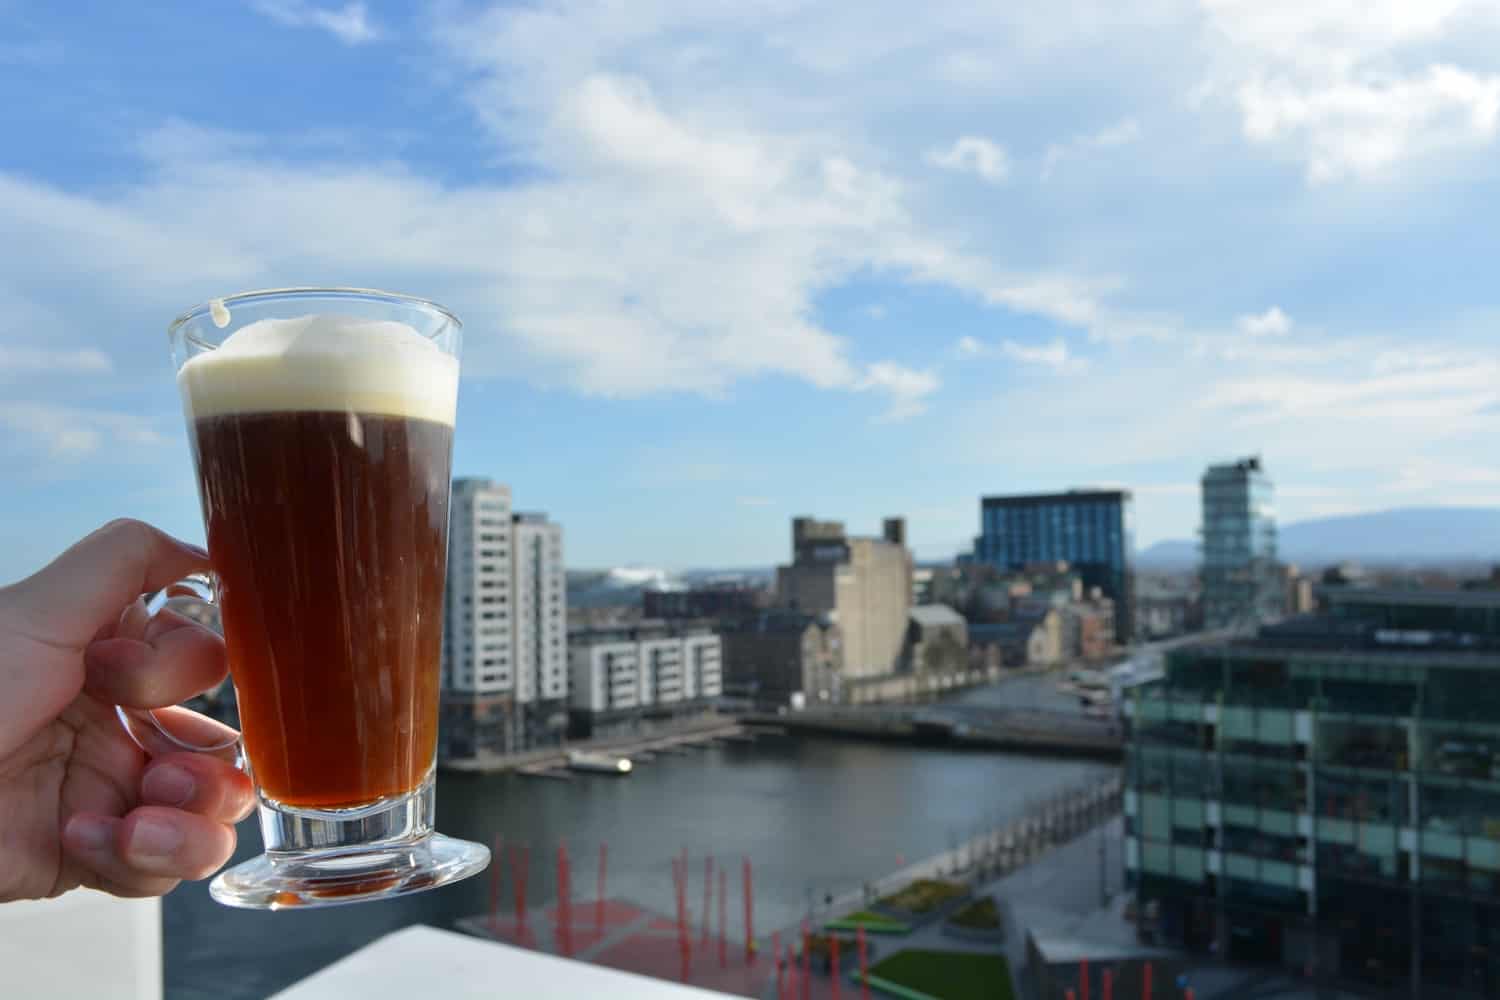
(1364, 745)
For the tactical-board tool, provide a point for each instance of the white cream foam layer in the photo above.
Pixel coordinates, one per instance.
(323, 363)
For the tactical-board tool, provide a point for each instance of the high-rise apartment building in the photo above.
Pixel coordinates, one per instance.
(541, 610)
(863, 585)
(1091, 530)
(505, 653)
(1326, 796)
(1241, 583)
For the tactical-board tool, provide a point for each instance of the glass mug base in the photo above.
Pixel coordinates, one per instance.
(332, 857)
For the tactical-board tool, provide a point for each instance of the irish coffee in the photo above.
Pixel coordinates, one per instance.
(323, 449)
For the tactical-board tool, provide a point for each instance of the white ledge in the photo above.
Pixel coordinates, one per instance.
(426, 962)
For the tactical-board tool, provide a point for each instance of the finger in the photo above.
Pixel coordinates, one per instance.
(170, 843)
(89, 841)
(176, 729)
(176, 659)
(198, 784)
(154, 842)
(98, 576)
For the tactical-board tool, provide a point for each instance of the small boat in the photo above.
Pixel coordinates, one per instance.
(599, 763)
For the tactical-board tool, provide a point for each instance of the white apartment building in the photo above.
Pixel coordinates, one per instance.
(504, 675)
(539, 591)
(478, 639)
(624, 670)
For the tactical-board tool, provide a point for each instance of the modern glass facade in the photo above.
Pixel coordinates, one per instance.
(1089, 529)
(1327, 796)
(1240, 582)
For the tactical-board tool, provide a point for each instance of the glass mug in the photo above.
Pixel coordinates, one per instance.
(321, 424)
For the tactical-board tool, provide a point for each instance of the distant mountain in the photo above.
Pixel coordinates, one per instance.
(641, 577)
(623, 585)
(1170, 554)
(1429, 535)
(617, 587)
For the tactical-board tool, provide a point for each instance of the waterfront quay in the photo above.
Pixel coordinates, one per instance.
(700, 945)
(975, 727)
(680, 737)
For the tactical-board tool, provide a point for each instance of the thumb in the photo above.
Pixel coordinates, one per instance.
(86, 588)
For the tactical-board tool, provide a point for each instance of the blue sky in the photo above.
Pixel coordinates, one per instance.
(722, 264)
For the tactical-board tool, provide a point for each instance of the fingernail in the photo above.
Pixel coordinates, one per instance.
(92, 833)
(154, 838)
(168, 785)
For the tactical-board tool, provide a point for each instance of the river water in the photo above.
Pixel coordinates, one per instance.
(814, 816)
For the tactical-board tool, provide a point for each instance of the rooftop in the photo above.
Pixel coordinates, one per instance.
(1340, 640)
(648, 629)
(1023, 499)
(1251, 464)
(778, 620)
(1003, 631)
(1347, 595)
(930, 615)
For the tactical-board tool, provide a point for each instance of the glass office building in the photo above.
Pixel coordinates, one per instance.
(1089, 529)
(1239, 574)
(1326, 796)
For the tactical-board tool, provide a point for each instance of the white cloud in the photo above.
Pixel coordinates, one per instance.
(1053, 355)
(1328, 426)
(1062, 298)
(1121, 133)
(973, 154)
(660, 246)
(680, 205)
(1271, 323)
(907, 387)
(1435, 400)
(69, 433)
(350, 23)
(40, 361)
(1283, 352)
(1386, 361)
(1123, 265)
(1356, 128)
(1422, 475)
(875, 311)
(1352, 89)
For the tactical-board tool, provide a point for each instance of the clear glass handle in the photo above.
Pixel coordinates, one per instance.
(194, 597)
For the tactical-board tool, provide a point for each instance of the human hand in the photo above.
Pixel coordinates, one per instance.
(80, 803)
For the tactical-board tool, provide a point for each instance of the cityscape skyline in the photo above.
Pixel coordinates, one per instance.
(1124, 378)
(682, 239)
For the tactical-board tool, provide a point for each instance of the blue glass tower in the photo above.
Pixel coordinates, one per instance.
(1240, 582)
(1089, 529)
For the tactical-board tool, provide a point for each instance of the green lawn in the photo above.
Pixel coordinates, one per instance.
(873, 923)
(948, 975)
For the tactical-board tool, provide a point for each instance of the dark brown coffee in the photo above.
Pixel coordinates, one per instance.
(328, 531)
